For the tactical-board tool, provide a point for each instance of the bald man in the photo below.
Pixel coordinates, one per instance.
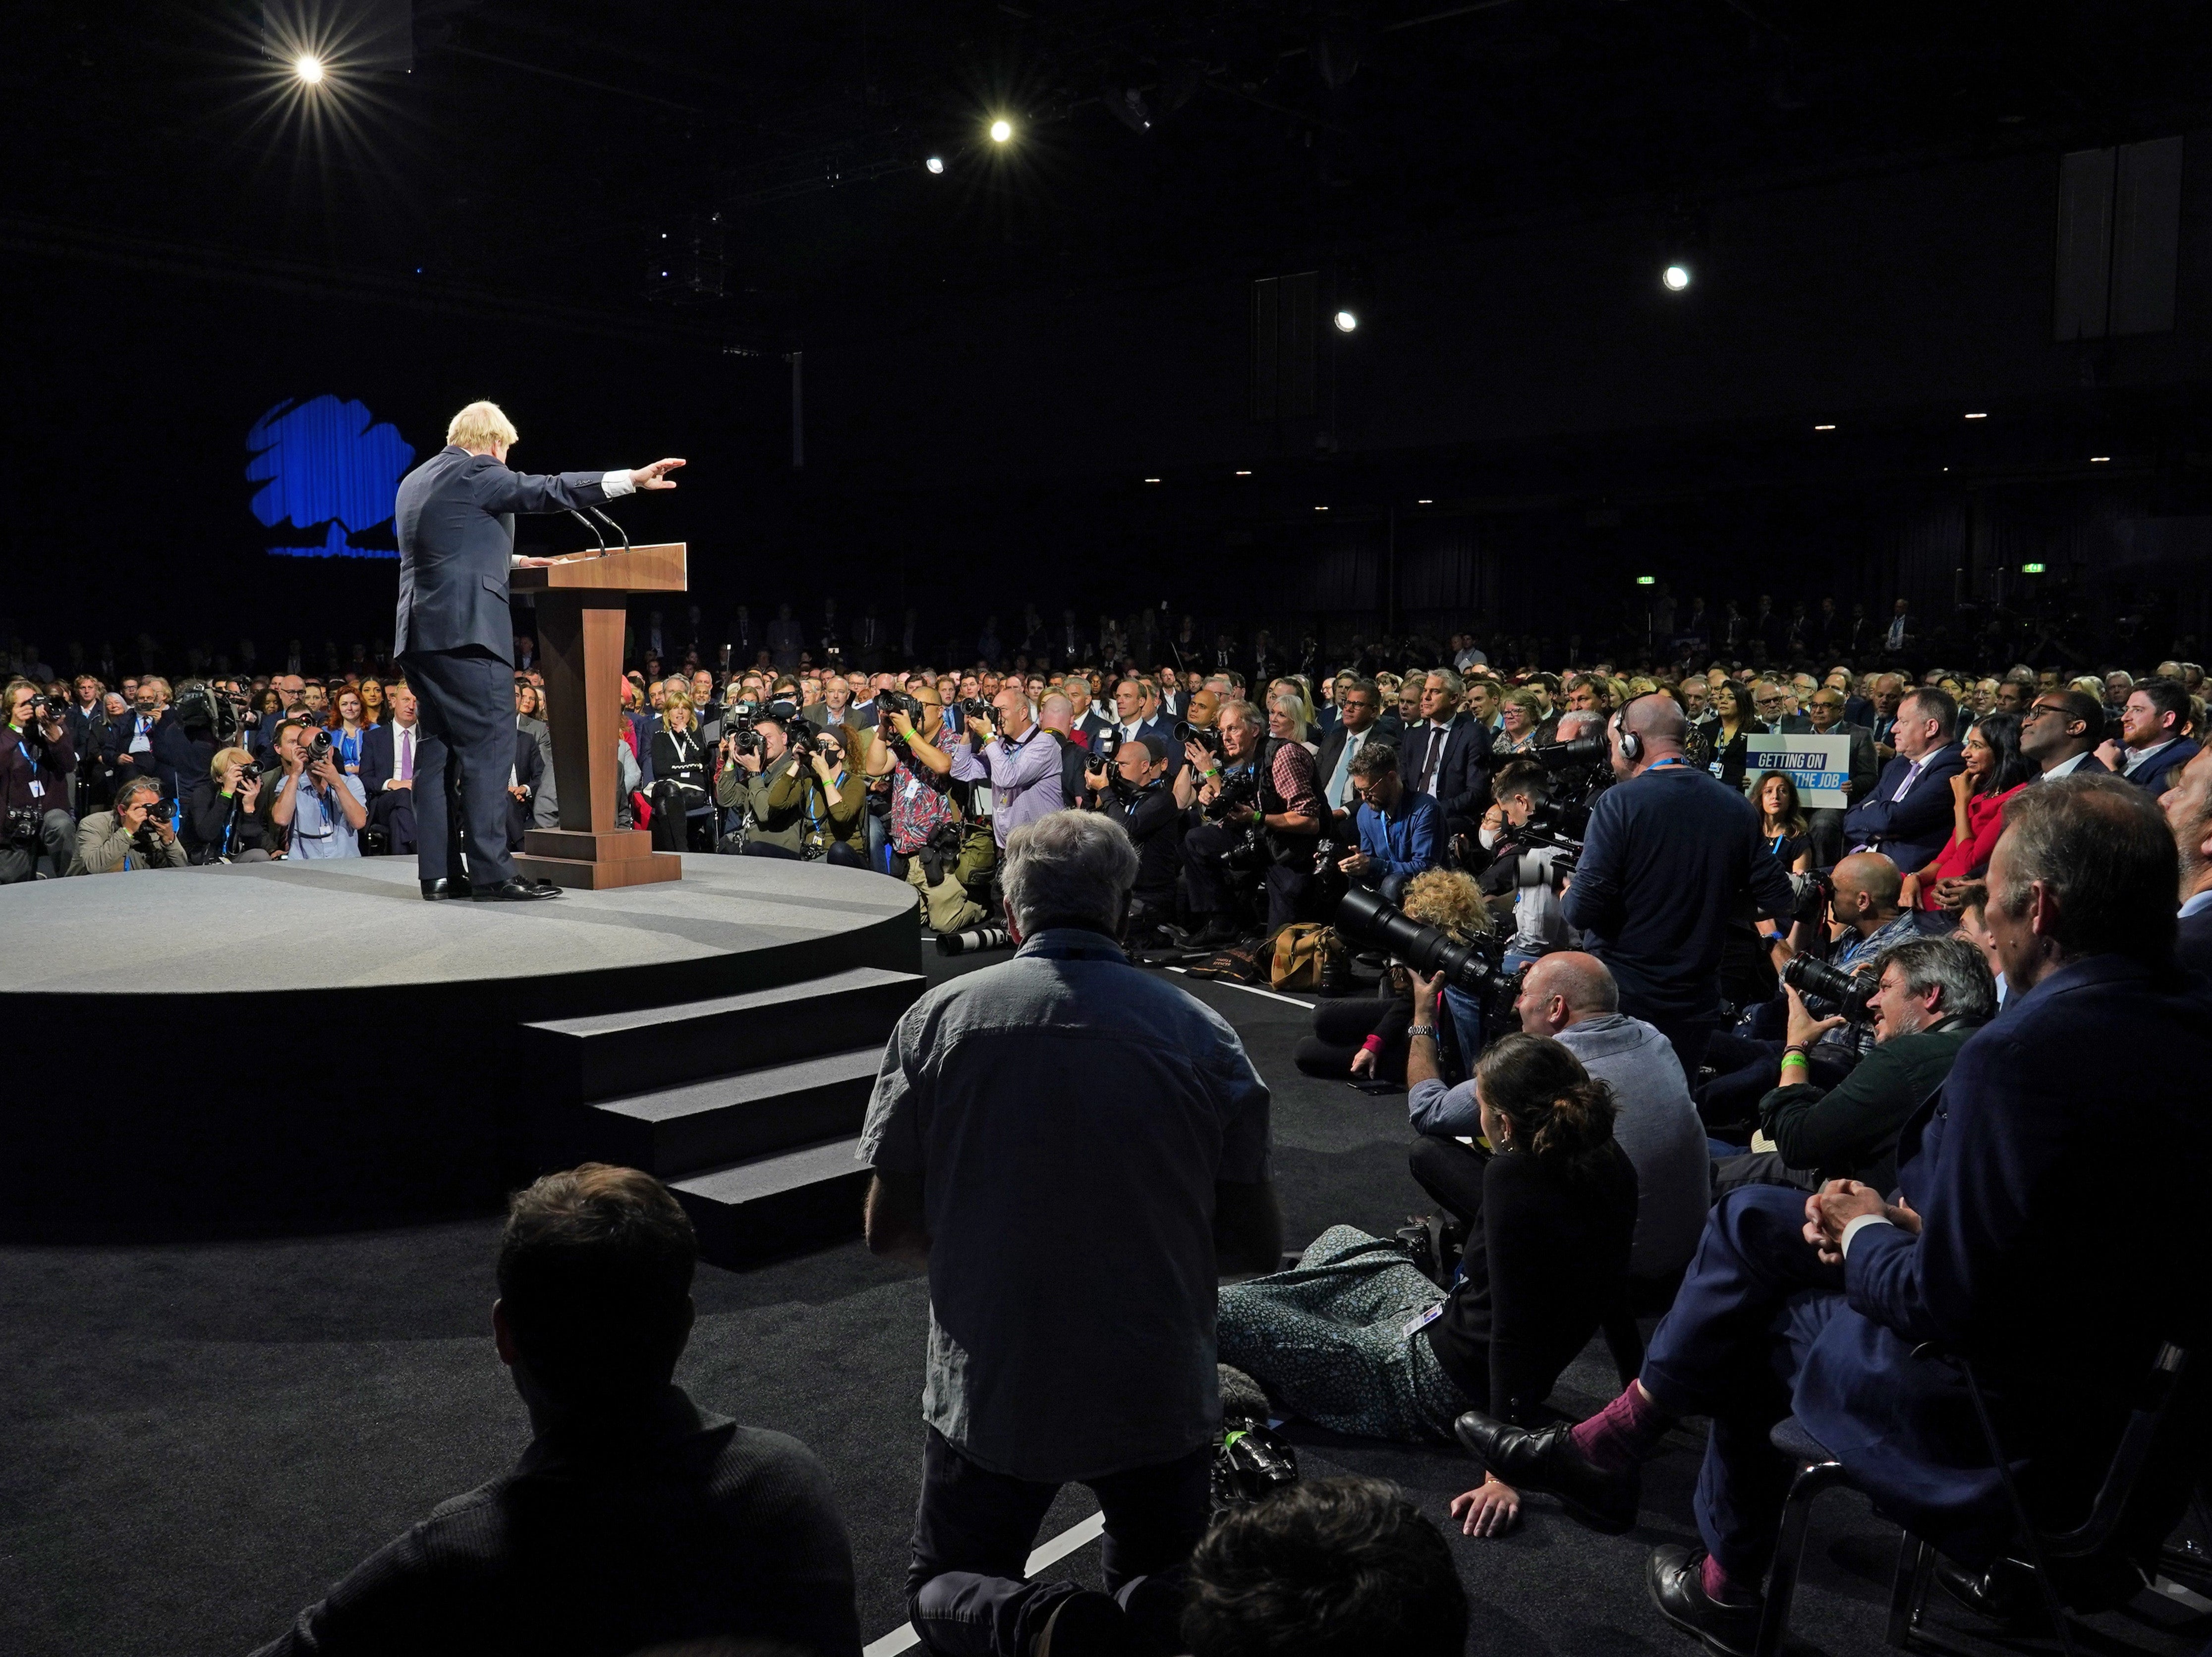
(1572, 997)
(1670, 856)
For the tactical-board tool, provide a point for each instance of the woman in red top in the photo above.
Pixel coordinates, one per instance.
(1994, 772)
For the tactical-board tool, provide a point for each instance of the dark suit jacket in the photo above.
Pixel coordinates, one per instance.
(380, 756)
(455, 520)
(1909, 831)
(2158, 775)
(2059, 1308)
(694, 1529)
(1462, 782)
(2193, 947)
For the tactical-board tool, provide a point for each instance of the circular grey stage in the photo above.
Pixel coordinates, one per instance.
(280, 1045)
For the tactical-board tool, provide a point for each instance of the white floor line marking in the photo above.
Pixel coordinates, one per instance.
(903, 1638)
(1249, 989)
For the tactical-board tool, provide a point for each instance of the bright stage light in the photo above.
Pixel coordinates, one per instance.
(308, 68)
(1345, 322)
(1001, 129)
(1677, 276)
(935, 163)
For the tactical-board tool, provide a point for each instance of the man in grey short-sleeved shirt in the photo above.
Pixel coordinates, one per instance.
(1079, 1149)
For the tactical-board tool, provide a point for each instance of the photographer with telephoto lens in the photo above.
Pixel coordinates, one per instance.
(223, 820)
(134, 835)
(912, 774)
(35, 768)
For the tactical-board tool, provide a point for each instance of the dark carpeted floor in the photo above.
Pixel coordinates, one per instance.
(199, 1439)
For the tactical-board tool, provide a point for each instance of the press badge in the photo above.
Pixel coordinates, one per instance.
(38, 789)
(1421, 1321)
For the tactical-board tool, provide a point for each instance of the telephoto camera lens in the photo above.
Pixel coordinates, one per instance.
(1851, 994)
(975, 941)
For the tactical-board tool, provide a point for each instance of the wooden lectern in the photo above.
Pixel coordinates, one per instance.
(582, 606)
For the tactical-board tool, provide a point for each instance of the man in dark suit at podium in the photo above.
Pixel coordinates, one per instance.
(454, 639)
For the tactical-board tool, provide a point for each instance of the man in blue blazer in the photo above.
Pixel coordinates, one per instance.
(455, 638)
(1908, 814)
(1997, 1246)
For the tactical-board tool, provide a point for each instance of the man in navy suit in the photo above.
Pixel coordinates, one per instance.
(455, 638)
(2187, 803)
(1443, 755)
(1908, 815)
(2154, 741)
(2060, 732)
(390, 754)
(1993, 1247)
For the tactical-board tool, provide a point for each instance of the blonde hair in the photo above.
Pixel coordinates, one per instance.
(1449, 899)
(480, 426)
(225, 757)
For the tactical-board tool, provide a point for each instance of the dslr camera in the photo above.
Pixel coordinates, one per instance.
(1828, 989)
(1471, 967)
(1204, 736)
(319, 748)
(889, 702)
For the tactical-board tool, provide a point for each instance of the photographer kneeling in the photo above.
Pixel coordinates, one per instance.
(134, 835)
(1930, 995)
(836, 804)
(35, 769)
(1263, 814)
(221, 819)
(318, 810)
(761, 773)
(1132, 789)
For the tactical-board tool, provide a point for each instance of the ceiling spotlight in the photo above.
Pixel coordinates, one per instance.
(935, 163)
(308, 68)
(1321, 508)
(1001, 129)
(1677, 276)
(1977, 417)
(1244, 474)
(1151, 480)
(1345, 322)
(2099, 459)
(1824, 428)
(1425, 503)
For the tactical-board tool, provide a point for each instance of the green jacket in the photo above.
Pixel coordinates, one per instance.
(776, 798)
(1850, 1132)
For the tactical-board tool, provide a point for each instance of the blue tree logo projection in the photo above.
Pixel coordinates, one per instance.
(326, 462)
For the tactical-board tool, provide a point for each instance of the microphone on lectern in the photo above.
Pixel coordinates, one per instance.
(611, 524)
(588, 524)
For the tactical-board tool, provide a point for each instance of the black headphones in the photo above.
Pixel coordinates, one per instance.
(1628, 742)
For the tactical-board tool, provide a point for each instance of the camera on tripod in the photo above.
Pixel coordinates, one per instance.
(1824, 986)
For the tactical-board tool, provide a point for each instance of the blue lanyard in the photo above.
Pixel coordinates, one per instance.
(1671, 759)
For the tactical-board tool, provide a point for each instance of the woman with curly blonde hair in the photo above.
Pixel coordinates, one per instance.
(1360, 1038)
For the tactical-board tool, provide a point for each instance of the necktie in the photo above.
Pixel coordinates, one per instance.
(1341, 778)
(407, 754)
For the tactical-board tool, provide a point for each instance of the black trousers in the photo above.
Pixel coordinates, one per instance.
(1210, 884)
(57, 840)
(973, 1531)
(1451, 1173)
(392, 809)
(462, 760)
(1341, 1029)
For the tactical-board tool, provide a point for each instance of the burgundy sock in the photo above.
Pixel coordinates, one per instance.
(1625, 1432)
(1715, 1582)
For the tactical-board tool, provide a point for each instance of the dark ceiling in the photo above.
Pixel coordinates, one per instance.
(561, 155)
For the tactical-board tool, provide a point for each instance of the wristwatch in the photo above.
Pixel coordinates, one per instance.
(1428, 1030)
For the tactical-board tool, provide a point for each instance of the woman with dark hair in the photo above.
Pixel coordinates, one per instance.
(1782, 825)
(1995, 770)
(375, 708)
(1732, 723)
(1356, 1340)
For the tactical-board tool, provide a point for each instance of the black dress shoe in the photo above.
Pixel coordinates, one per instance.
(437, 891)
(1551, 1462)
(515, 890)
(1219, 930)
(1676, 1576)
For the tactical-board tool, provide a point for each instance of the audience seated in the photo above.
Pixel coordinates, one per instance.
(2187, 803)
(1816, 1305)
(1992, 770)
(633, 1518)
(1327, 1568)
(1908, 815)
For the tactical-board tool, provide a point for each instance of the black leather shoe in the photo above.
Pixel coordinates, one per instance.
(515, 890)
(1676, 1576)
(437, 891)
(1219, 930)
(1550, 1461)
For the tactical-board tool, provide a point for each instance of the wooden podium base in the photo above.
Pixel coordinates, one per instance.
(592, 862)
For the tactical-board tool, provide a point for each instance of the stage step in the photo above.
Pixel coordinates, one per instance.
(619, 1055)
(777, 1203)
(702, 1125)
